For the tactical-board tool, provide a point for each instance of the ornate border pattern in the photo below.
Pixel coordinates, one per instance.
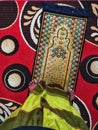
(59, 50)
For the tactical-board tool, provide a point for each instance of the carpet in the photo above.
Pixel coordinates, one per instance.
(21, 35)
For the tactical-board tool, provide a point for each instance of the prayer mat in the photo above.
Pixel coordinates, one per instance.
(60, 46)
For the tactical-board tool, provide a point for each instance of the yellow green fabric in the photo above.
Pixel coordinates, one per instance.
(47, 107)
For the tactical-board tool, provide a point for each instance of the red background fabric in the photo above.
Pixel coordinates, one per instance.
(86, 91)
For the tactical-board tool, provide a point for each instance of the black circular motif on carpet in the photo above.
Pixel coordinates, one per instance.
(81, 107)
(30, 23)
(6, 108)
(8, 45)
(89, 69)
(16, 77)
(95, 101)
(8, 13)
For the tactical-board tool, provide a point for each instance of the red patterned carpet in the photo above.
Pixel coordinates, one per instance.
(21, 32)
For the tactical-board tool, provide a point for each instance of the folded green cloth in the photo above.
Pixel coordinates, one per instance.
(47, 107)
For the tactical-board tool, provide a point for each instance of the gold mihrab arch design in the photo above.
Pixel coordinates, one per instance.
(57, 58)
